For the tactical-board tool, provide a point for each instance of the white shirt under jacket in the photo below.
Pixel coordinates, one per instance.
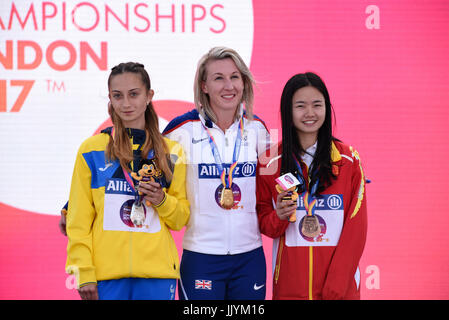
(212, 229)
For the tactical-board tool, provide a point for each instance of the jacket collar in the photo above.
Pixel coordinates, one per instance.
(210, 124)
(335, 154)
(137, 135)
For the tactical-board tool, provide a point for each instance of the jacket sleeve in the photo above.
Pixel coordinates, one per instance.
(80, 217)
(269, 223)
(175, 209)
(352, 239)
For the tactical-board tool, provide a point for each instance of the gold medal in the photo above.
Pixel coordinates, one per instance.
(227, 198)
(311, 226)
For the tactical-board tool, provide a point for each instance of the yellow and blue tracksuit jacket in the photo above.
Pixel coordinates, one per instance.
(103, 244)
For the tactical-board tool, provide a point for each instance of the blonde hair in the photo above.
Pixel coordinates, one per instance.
(201, 98)
(119, 147)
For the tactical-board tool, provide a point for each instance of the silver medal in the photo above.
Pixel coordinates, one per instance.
(137, 214)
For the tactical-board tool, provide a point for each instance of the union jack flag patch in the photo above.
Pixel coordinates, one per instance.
(203, 284)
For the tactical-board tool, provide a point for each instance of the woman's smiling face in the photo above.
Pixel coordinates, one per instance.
(308, 110)
(223, 84)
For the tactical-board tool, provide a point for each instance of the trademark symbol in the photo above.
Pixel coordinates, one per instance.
(55, 86)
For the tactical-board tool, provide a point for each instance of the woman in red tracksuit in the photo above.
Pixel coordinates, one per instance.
(317, 255)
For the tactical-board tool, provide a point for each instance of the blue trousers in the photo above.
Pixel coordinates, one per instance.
(223, 277)
(137, 289)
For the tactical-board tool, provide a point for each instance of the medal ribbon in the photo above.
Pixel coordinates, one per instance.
(227, 183)
(127, 175)
(309, 205)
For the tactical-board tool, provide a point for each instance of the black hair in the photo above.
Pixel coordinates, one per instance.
(321, 164)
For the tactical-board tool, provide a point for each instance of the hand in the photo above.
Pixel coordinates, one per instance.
(152, 191)
(62, 224)
(89, 292)
(284, 209)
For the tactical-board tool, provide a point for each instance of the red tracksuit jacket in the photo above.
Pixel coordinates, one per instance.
(325, 267)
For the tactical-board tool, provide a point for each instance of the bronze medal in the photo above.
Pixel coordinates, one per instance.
(311, 226)
(227, 198)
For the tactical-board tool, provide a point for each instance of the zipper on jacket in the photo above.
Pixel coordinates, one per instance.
(310, 248)
(310, 273)
(131, 233)
(130, 254)
(228, 232)
(278, 265)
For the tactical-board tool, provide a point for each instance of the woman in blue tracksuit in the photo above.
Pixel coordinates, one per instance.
(223, 256)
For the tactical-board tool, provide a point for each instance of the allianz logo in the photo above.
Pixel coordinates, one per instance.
(333, 202)
(246, 169)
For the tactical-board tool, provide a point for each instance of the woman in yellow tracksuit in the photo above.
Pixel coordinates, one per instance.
(112, 254)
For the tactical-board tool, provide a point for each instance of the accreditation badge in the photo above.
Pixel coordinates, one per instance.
(211, 200)
(122, 213)
(323, 228)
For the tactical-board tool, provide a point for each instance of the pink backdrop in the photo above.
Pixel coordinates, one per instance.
(389, 86)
